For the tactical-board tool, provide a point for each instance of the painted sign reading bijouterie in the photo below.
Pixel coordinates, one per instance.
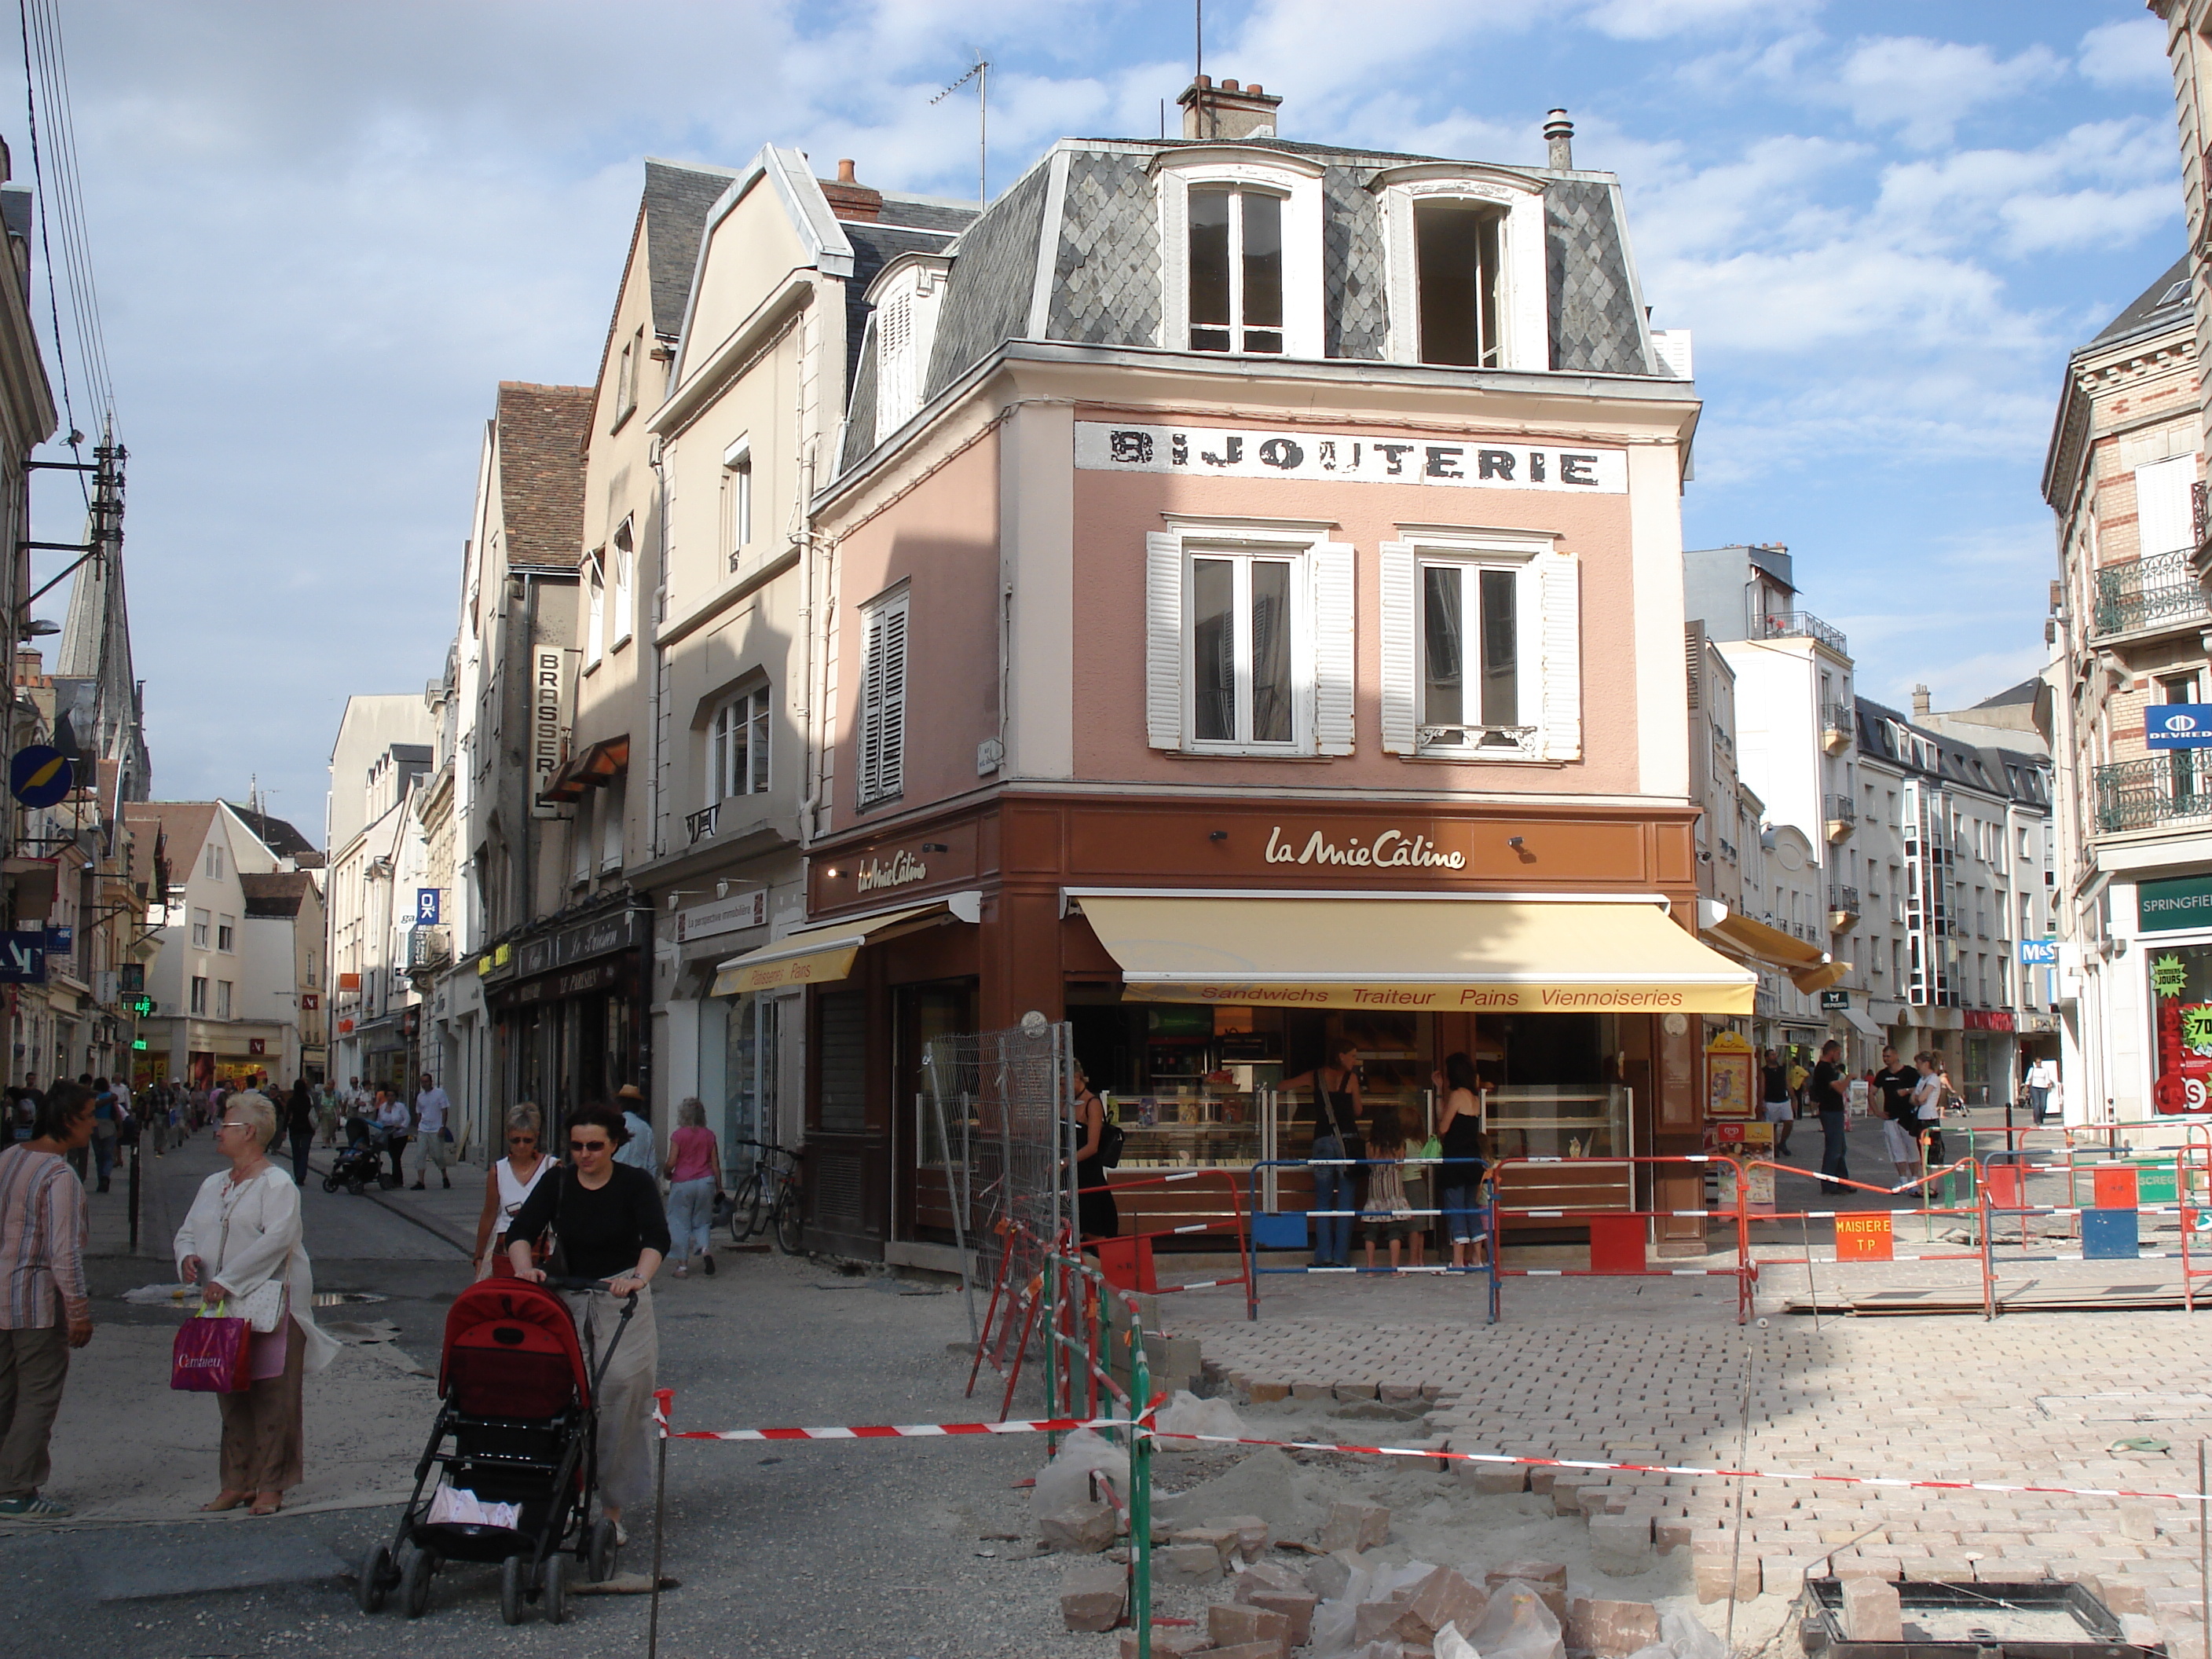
(1261, 452)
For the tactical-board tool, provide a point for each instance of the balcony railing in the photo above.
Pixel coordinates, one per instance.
(1844, 901)
(2144, 592)
(2157, 789)
(1803, 625)
(1837, 726)
(700, 825)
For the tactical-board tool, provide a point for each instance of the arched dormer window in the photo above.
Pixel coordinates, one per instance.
(1466, 281)
(1240, 252)
(905, 295)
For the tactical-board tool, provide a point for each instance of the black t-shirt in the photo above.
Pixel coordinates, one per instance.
(1774, 1080)
(1826, 1096)
(1897, 1085)
(601, 1232)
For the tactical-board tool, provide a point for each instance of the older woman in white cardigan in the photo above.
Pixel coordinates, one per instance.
(242, 1233)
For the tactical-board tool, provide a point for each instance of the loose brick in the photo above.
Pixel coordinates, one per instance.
(1620, 1545)
(1262, 1576)
(1494, 1478)
(1084, 1528)
(1611, 1629)
(1253, 1534)
(1872, 1612)
(1715, 1577)
(1092, 1596)
(1442, 1598)
(1296, 1606)
(1171, 1643)
(1356, 1527)
(1189, 1563)
(1267, 1394)
(1229, 1623)
(1543, 1574)
(1223, 1540)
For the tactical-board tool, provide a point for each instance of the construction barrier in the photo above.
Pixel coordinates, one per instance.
(1286, 1230)
(1620, 1240)
(1127, 1257)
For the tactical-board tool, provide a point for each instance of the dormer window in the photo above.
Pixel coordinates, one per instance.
(1466, 277)
(905, 296)
(1235, 270)
(1241, 247)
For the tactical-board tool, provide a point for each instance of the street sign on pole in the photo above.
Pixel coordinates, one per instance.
(23, 958)
(426, 907)
(39, 775)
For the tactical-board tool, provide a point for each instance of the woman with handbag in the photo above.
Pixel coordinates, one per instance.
(508, 1182)
(1460, 1135)
(694, 1163)
(241, 1244)
(1335, 1139)
(1096, 1215)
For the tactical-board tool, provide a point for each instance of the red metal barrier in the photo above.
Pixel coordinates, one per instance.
(1127, 1258)
(1621, 1239)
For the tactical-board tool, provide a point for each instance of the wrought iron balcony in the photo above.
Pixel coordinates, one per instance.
(1840, 815)
(2146, 593)
(1837, 726)
(2157, 789)
(1842, 907)
(1803, 625)
(700, 825)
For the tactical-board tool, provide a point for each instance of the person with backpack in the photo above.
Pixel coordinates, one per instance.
(1335, 1140)
(1096, 1215)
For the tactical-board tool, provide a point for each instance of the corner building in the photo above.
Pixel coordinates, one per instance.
(1257, 626)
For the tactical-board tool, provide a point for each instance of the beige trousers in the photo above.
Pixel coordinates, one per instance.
(261, 1432)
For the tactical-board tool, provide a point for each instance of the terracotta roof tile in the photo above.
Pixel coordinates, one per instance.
(541, 472)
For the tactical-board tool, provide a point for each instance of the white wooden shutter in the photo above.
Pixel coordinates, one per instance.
(1559, 583)
(1334, 604)
(882, 702)
(2164, 520)
(1402, 658)
(1163, 641)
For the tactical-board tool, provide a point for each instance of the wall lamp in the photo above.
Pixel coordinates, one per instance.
(1216, 834)
(935, 847)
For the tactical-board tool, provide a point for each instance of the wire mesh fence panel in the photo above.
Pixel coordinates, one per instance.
(998, 1124)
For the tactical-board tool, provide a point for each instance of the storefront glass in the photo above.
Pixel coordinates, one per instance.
(2181, 1034)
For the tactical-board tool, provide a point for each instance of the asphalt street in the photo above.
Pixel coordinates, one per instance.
(847, 1549)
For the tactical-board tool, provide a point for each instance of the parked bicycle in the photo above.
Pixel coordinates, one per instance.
(769, 1196)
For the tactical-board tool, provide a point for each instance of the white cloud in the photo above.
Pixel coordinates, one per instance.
(1923, 87)
(1657, 20)
(2128, 55)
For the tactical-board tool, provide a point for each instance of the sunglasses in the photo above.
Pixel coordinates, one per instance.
(517, 1140)
(589, 1145)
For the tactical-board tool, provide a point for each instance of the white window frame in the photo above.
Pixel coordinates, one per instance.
(1323, 633)
(2165, 516)
(623, 622)
(879, 730)
(595, 609)
(738, 499)
(1293, 178)
(614, 796)
(214, 862)
(627, 371)
(747, 713)
(906, 295)
(1547, 612)
(198, 994)
(1524, 305)
(201, 920)
(226, 934)
(226, 997)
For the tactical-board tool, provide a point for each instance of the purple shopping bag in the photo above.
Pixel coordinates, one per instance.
(212, 1356)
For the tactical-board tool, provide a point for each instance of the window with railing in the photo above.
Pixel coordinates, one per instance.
(2145, 593)
(1845, 899)
(2152, 790)
(1841, 809)
(1803, 625)
(1835, 717)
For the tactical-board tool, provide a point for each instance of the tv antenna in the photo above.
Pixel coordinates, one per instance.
(980, 74)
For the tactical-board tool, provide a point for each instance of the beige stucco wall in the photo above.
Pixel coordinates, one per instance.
(751, 251)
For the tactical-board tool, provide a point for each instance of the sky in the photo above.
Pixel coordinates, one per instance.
(323, 234)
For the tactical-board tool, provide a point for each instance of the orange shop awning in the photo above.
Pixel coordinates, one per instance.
(824, 954)
(1498, 954)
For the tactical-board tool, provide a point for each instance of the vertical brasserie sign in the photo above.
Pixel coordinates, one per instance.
(550, 714)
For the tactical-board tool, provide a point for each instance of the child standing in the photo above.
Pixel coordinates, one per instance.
(1388, 1214)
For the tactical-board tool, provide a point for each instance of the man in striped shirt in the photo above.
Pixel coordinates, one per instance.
(44, 1309)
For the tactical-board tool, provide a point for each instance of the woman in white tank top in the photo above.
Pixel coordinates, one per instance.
(507, 1183)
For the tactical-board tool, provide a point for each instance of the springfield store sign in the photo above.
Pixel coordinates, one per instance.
(1362, 458)
(2169, 905)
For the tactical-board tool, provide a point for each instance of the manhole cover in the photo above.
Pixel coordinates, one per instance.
(340, 1298)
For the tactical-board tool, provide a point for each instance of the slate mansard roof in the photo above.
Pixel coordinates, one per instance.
(1100, 255)
(2164, 304)
(2010, 773)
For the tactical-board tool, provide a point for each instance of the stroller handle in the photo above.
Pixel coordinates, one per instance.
(582, 1286)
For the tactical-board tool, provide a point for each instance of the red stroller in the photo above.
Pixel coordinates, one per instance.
(519, 1408)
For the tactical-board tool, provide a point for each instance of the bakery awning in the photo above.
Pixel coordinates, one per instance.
(1808, 967)
(824, 954)
(1517, 953)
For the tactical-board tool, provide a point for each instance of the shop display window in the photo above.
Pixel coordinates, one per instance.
(2181, 1027)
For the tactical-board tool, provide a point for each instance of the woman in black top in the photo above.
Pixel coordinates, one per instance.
(1336, 1137)
(608, 1219)
(1096, 1214)
(1459, 1133)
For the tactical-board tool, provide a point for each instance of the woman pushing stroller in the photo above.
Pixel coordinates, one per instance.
(609, 1221)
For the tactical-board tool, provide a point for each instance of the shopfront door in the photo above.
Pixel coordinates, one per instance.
(848, 1144)
(921, 1195)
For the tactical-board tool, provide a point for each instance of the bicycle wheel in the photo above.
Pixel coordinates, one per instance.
(790, 1225)
(746, 1215)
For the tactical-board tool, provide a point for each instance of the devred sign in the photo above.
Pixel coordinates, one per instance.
(1865, 1237)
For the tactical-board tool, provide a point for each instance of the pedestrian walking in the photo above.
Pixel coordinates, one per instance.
(300, 1127)
(1825, 1086)
(508, 1183)
(393, 1119)
(2042, 1087)
(431, 1110)
(106, 1129)
(1774, 1099)
(243, 1233)
(612, 1226)
(638, 1150)
(1335, 1140)
(695, 1165)
(1894, 1084)
(326, 1115)
(1459, 1134)
(46, 1311)
(1096, 1215)
(1947, 1096)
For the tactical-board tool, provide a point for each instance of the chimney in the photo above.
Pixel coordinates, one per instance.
(1559, 140)
(848, 198)
(1920, 703)
(1227, 112)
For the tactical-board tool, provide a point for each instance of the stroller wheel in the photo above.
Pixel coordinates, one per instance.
(553, 1580)
(356, 1188)
(415, 1582)
(375, 1579)
(330, 1183)
(510, 1589)
(600, 1562)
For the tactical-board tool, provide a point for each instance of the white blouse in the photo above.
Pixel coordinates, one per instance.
(262, 1242)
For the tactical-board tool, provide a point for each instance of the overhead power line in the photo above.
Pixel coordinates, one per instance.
(57, 180)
